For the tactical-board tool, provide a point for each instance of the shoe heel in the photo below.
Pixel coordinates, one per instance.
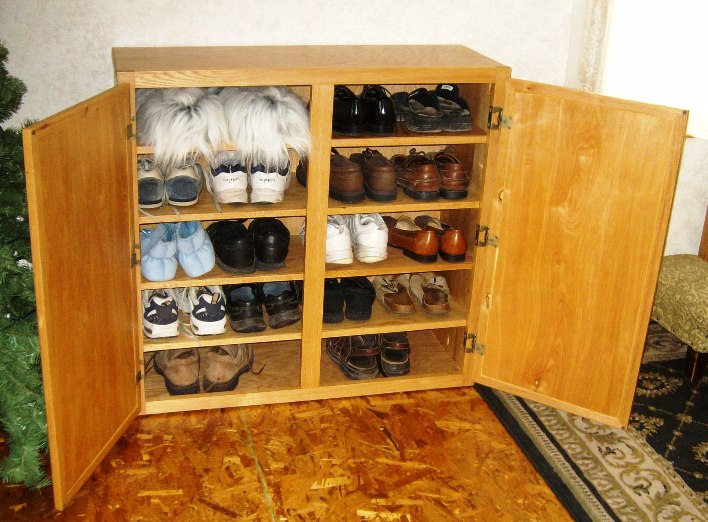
(426, 196)
(429, 258)
(285, 318)
(357, 316)
(250, 325)
(452, 258)
(333, 318)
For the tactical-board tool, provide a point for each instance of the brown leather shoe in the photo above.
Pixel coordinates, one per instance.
(223, 365)
(346, 182)
(179, 368)
(453, 175)
(419, 245)
(395, 354)
(379, 174)
(393, 296)
(453, 245)
(355, 355)
(417, 175)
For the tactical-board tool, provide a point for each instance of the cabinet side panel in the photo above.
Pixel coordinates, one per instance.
(588, 181)
(80, 201)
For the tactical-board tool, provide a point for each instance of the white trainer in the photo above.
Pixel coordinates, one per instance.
(160, 318)
(228, 182)
(268, 184)
(369, 236)
(338, 246)
(206, 308)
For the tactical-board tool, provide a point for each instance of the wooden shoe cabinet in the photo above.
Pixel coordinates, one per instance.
(566, 216)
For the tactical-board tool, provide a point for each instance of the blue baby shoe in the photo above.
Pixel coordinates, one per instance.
(158, 252)
(194, 249)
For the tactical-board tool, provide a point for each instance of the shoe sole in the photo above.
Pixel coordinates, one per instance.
(348, 197)
(232, 197)
(254, 324)
(285, 318)
(232, 270)
(158, 331)
(333, 318)
(381, 195)
(339, 257)
(174, 389)
(453, 194)
(426, 196)
(261, 265)
(208, 327)
(357, 316)
(452, 258)
(348, 371)
(421, 258)
(371, 255)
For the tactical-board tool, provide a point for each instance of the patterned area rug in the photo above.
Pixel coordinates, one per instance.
(657, 469)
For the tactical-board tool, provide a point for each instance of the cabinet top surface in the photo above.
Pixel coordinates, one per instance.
(313, 57)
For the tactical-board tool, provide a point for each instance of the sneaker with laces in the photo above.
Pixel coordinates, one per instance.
(369, 236)
(338, 246)
(160, 318)
(183, 184)
(228, 182)
(151, 184)
(206, 308)
(268, 183)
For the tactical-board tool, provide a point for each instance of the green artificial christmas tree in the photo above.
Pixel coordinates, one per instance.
(22, 413)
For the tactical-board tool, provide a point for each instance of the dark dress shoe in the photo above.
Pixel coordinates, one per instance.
(271, 240)
(282, 303)
(394, 355)
(355, 355)
(301, 172)
(233, 246)
(453, 244)
(244, 304)
(333, 306)
(419, 245)
(453, 175)
(346, 182)
(417, 175)
(379, 110)
(379, 174)
(359, 296)
(348, 115)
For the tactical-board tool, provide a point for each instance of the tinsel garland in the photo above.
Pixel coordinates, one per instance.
(22, 412)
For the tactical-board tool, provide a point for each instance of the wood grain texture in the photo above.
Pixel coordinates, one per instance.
(433, 455)
(588, 185)
(79, 183)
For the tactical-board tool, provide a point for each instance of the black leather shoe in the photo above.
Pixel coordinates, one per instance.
(379, 110)
(359, 296)
(348, 114)
(244, 304)
(333, 306)
(233, 246)
(271, 240)
(282, 303)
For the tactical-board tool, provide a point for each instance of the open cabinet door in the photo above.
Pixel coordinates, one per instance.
(586, 184)
(79, 188)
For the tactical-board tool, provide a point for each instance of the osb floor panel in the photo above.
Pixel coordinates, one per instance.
(434, 455)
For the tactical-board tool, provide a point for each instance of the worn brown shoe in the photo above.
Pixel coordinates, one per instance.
(379, 174)
(429, 290)
(417, 175)
(180, 369)
(393, 296)
(355, 355)
(453, 174)
(453, 244)
(394, 357)
(223, 365)
(346, 182)
(419, 245)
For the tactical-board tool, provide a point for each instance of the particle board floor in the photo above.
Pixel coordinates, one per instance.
(433, 455)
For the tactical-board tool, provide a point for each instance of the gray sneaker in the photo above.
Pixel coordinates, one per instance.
(223, 365)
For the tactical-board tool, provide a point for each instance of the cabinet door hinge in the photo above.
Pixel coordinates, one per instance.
(496, 119)
(138, 376)
(133, 259)
(482, 238)
(131, 134)
(471, 344)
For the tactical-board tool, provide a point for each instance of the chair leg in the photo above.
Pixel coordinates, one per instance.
(695, 364)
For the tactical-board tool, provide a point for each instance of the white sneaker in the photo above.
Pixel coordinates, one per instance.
(206, 308)
(338, 246)
(228, 182)
(160, 318)
(183, 184)
(151, 184)
(369, 236)
(268, 184)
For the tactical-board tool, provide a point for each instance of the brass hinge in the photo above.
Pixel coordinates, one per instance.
(131, 134)
(496, 119)
(471, 344)
(133, 259)
(482, 238)
(138, 376)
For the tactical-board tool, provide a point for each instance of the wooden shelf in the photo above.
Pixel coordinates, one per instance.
(396, 263)
(293, 205)
(428, 358)
(293, 270)
(404, 137)
(384, 321)
(186, 339)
